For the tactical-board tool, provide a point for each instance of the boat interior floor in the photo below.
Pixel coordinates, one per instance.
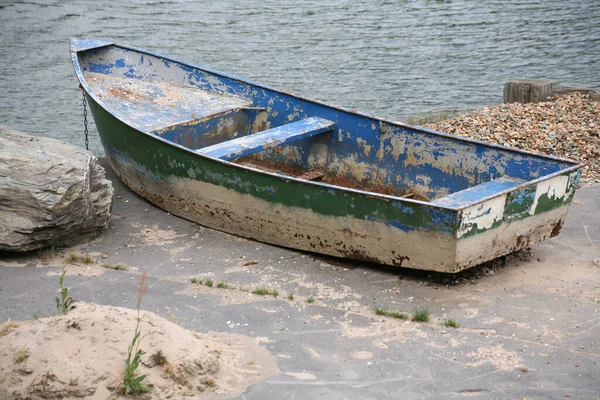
(156, 105)
(319, 175)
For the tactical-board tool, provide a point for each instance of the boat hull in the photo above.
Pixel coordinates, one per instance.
(350, 224)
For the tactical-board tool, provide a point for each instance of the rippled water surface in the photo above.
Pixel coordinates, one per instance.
(389, 58)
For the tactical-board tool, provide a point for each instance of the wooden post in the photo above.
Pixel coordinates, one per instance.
(528, 90)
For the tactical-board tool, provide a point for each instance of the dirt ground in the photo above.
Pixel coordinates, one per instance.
(528, 323)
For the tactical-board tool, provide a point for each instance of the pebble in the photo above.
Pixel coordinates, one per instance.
(567, 127)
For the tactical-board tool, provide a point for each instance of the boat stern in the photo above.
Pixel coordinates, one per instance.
(515, 220)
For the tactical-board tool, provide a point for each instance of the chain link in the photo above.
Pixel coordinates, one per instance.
(85, 122)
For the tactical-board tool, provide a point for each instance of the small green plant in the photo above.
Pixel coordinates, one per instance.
(76, 258)
(393, 314)
(263, 291)
(310, 300)
(290, 297)
(64, 304)
(421, 315)
(451, 323)
(223, 285)
(196, 281)
(398, 315)
(209, 282)
(116, 267)
(21, 355)
(132, 384)
(159, 358)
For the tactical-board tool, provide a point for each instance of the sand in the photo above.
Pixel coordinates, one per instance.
(82, 355)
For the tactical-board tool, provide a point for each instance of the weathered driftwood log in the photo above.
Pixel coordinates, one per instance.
(536, 90)
(51, 193)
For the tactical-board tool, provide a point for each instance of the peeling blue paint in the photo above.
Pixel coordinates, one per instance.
(393, 223)
(574, 180)
(403, 207)
(474, 193)
(100, 68)
(519, 202)
(232, 149)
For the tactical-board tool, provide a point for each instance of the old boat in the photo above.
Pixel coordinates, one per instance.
(264, 164)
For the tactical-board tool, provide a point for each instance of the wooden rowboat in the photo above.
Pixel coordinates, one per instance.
(261, 163)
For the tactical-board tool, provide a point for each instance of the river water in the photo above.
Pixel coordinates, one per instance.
(391, 58)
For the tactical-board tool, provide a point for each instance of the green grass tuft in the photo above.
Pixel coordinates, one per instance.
(290, 297)
(451, 323)
(263, 291)
(21, 355)
(421, 315)
(310, 300)
(223, 285)
(209, 282)
(116, 267)
(48, 253)
(196, 281)
(76, 258)
(392, 314)
(398, 315)
(159, 358)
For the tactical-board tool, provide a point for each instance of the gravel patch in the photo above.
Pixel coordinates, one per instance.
(568, 127)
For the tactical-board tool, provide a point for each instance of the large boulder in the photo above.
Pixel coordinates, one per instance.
(51, 193)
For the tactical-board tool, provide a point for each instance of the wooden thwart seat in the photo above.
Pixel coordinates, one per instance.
(232, 149)
(467, 196)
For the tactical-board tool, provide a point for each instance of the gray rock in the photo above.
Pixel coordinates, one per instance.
(51, 193)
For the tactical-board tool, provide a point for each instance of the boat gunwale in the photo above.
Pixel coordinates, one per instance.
(77, 67)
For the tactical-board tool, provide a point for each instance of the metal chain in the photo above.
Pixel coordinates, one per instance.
(85, 123)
